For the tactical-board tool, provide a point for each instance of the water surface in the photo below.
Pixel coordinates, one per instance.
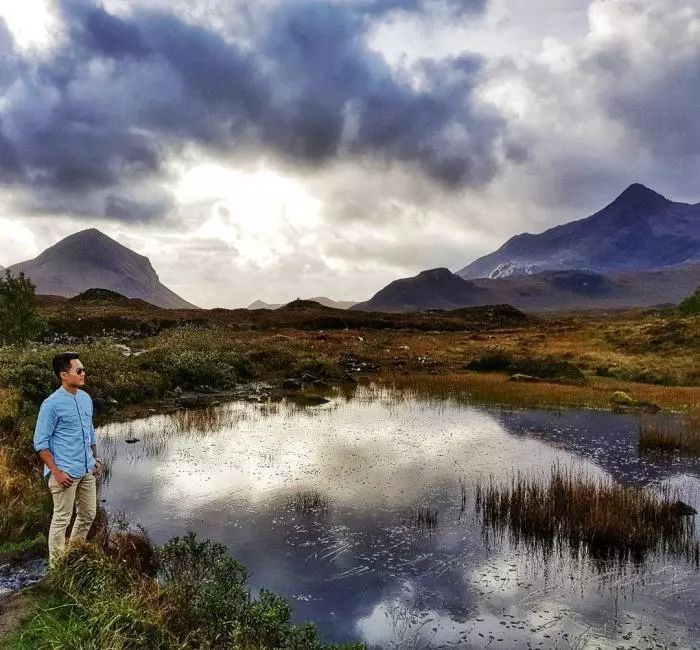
(359, 565)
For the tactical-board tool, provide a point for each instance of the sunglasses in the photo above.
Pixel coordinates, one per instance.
(80, 371)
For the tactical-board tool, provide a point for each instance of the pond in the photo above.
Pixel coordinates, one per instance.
(360, 511)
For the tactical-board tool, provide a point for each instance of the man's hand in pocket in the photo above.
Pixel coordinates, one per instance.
(63, 478)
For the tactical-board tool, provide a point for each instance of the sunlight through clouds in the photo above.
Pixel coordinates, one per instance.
(262, 215)
(32, 23)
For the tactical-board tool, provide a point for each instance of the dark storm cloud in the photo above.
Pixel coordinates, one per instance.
(124, 209)
(124, 91)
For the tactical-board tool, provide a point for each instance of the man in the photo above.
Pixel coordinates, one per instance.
(65, 439)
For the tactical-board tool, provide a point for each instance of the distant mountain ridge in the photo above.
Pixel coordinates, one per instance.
(90, 259)
(640, 230)
(546, 291)
(326, 302)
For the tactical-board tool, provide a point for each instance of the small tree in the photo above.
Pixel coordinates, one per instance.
(691, 305)
(20, 320)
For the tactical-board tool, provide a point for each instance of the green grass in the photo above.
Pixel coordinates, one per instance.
(200, 600)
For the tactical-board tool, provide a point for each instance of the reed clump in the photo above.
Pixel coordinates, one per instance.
(591, 516)
(671, 436)
(309, 501)
(424, 518)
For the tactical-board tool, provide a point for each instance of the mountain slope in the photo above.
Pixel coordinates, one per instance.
(546, 291)
(639, 230)
(90, 259)
(433, 289)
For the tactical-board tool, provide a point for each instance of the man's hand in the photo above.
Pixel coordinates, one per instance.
(97, 470)
(64, 479)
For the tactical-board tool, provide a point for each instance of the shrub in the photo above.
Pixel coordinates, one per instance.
(691, 305)
(19, 315)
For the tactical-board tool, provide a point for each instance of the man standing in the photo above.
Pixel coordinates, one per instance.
(65, 439)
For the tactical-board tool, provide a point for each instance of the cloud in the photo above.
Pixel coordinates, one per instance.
(123, 93)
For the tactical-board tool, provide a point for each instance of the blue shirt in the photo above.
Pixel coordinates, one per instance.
(64, 426)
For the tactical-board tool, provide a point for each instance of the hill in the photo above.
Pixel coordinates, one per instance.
(89, 259)
(321, 300)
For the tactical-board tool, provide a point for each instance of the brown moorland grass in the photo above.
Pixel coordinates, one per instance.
(591, 516)
(493, 388)
(670, 436)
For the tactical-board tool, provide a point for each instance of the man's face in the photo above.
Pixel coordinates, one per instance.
(76, 375)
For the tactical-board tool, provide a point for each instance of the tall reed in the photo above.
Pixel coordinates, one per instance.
(591, 516)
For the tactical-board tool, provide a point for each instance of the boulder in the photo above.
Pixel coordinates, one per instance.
(622, 399)
(518, 377)
(683, 509)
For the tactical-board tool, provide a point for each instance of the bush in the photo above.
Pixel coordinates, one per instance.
(691, 305)
(201, 601)
(19, 315)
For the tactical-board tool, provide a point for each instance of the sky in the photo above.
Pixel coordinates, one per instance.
(274, 149)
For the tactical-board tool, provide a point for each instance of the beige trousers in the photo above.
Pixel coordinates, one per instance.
(83, 496)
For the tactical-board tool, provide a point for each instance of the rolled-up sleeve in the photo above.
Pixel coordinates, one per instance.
(45, 423)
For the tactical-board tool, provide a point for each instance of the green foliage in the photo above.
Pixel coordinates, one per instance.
(36, 379)
(201, 600)
(691, 305)
(19, 315)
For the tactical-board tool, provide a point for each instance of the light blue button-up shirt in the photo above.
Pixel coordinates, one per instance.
(64, 426)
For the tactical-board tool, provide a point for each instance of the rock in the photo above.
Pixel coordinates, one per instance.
(131, 441)
(518, 377)
(112, 402)
(100, 405)
(177, 390)
(309, 400)
(683, 509)
(291, 384)
(622, 399)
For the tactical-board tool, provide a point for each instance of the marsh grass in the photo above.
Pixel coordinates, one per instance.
(494, 389)
(590, 516)
(422, 518)
(307, 501)
(671, 435)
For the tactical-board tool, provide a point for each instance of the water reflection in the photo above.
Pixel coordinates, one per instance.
(354, 562)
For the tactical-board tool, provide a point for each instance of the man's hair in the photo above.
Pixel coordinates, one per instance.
(61, 362)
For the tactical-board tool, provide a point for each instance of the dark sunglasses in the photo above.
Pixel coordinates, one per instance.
(79, 371)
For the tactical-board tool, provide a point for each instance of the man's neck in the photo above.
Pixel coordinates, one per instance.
(71, 389)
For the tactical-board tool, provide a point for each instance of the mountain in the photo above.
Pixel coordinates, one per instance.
(259, 304)
(90, 259)
(433, 289)
(639, 230)
(546, 291)
(326, 302)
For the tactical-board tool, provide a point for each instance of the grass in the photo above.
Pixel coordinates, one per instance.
(309, 501)
(197, 597)
(591, 516)
(423, 518)
(671, 435)
(494, 389)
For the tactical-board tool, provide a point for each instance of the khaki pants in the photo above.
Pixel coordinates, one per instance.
(83, 495)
